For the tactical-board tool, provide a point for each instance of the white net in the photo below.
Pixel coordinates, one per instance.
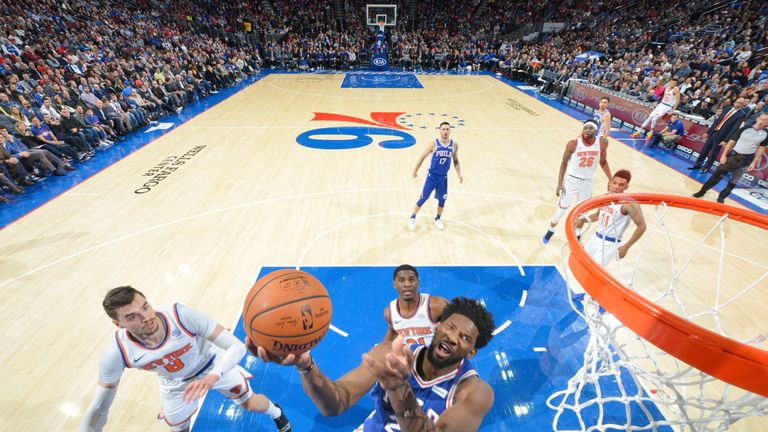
(702, 268)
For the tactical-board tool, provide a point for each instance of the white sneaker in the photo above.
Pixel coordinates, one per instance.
(439, 224)
(411, 224)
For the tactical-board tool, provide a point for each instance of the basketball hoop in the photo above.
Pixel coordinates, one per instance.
(697, 377)
(381, 25)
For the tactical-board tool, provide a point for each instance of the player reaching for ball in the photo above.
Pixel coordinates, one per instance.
(174, 342)
(416, 387)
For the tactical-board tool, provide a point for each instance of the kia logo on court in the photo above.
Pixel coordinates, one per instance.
(639, 115)
(380, 61)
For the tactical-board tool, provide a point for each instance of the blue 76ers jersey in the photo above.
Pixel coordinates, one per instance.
(434, 396)
(441, 158)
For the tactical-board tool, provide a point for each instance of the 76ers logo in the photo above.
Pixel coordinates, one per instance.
(351, 137)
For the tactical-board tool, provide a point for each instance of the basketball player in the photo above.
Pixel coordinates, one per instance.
(443, 150)
(603, 119)
(669, 103)
(411, 313)
(577, 168)
(613, 222)
(174, 342)
(418, 387)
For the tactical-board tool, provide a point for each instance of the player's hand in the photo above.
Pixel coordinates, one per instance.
(723, 158)
(705, 136)
(394, 370)
(722, 143)
(461, 179)
(560, 189)
(304, 360)
(415, 174)
(198, 388)
(623, 251)
(752, 166)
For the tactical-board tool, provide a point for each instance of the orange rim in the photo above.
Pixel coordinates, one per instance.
(726, 359)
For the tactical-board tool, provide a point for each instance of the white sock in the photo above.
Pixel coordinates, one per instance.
(578, 232)
(551, 229)
(273, 411)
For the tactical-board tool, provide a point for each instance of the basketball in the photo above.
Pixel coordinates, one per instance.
(287, 312)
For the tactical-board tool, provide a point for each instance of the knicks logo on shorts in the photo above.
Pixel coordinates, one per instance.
(445, 196)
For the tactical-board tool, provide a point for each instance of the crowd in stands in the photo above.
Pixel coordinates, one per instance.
(80, 75)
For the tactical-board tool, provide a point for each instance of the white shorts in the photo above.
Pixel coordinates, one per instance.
(660, 110)
(602, 250)
(576, 191)
(234, 385)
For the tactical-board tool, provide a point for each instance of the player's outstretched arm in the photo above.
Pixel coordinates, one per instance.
(427, 151)
(604, 158)
(586, 218)
(110, 370)
(473, 400)
(332, 398)
(636, 213)
(234, 351)
(95, 416)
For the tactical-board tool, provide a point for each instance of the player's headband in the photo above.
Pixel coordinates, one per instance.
(590, 123)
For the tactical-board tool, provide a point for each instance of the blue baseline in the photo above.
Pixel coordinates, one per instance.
(521, 378)
(381, 80)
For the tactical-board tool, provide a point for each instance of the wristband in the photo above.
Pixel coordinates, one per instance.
(309, 368)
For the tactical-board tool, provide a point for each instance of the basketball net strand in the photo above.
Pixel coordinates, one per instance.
(627, 384)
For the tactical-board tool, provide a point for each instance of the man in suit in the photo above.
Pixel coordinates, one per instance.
(718, 134)
(119, 122)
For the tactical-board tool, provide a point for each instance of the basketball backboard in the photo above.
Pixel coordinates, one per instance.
(381, 13)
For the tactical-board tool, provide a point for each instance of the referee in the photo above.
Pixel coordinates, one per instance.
(741, 154)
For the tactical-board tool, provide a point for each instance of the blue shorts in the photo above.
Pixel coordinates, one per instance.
(436, 183)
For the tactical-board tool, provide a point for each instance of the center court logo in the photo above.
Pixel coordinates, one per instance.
(351, 137)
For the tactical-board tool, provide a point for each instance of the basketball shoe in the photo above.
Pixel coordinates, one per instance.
(636, 134)
(439, 224)
(411, 224)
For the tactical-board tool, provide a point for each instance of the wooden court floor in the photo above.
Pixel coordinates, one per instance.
(247, 195)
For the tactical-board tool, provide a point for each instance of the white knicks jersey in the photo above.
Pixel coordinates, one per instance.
(612, 222)
(584, 160)
(669, 97)
(418, 328)
(184, 351)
